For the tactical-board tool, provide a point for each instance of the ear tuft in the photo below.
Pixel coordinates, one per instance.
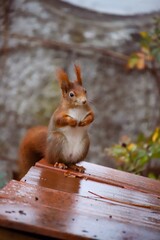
(62, 76)
(78, 74)
(63, 80)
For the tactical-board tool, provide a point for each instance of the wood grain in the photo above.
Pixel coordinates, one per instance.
(101, 203)
(63, 215)
(113, 177)
(53, 179)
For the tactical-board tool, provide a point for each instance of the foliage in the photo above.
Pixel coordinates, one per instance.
(136, 156)
(149, 52)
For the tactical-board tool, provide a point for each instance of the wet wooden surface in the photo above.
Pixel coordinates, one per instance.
(111, 176)
(101, 204)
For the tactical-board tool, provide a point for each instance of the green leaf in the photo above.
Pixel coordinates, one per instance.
(117, 151)
(135, 156)
(146, 41)
(141, 138)
(151, 175)
(143, 160)
(154, 150)
(156, 53)
(144, 34)
(132, 62)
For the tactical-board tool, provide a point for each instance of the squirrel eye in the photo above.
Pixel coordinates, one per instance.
(71, 94)
(85, 90)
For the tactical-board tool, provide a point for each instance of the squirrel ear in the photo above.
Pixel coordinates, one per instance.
(63, 80)
(78, 74)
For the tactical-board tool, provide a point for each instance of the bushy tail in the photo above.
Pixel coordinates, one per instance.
(32, 148)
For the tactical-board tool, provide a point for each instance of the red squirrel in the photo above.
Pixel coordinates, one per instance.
(65, 142)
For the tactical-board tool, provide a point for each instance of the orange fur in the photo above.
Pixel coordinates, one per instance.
(68, 126)
(62, 76)
(32, 148)
(78, 74)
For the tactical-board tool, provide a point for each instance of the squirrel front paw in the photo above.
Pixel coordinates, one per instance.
(82, 123)
(86, 121)
(70, 121)
(73, 122)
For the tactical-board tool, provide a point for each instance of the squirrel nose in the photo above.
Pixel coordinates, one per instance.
(84, 101)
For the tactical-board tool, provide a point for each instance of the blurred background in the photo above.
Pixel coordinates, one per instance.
(119, 70)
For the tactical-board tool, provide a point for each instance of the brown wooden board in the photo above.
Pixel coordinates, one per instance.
(36, 195)
(114, 177)
(53, 179)
(101, 203)
(64, 215)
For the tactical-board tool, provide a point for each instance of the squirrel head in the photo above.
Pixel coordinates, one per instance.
(73, 92)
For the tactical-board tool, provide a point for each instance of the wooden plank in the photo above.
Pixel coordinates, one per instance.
(70, 216)
(53, 179)
(36, 195)
(114, 177)
(67, 224)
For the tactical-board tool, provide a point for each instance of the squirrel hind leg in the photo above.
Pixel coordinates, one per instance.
(77, 168)
(60, 165)
(73, 167)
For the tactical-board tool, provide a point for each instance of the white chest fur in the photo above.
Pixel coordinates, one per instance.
(75, 144)
(77, 113)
